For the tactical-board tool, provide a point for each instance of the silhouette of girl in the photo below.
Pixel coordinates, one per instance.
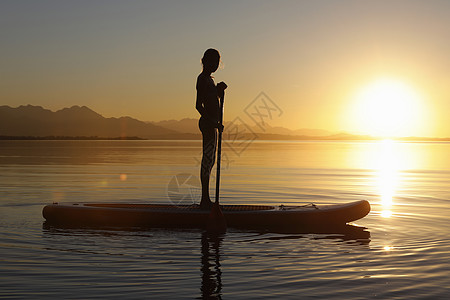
(208, 96)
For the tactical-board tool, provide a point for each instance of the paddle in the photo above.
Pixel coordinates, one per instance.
(216, 219)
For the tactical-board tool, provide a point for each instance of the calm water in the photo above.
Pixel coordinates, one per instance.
(406, 257)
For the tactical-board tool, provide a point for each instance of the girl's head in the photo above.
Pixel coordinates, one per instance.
(211, 60)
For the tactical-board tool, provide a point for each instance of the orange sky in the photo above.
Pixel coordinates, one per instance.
(310, 57)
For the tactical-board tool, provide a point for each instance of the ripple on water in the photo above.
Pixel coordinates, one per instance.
(406, 256)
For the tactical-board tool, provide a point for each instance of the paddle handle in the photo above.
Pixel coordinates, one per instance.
(219, 148)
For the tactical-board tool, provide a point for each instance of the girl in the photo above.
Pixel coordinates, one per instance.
(207, 104)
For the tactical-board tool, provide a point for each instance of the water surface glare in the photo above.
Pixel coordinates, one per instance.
(407, 255)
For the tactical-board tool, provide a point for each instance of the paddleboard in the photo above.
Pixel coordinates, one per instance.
(184, 216)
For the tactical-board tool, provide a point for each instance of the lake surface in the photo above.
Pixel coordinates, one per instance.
(406, 257)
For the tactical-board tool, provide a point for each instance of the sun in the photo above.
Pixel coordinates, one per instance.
(387, 108)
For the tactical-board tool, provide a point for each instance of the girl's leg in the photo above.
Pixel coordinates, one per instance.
(208, 159)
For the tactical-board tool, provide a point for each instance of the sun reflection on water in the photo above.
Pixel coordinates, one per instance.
(388, 159)
(387, 248)
(388, 175)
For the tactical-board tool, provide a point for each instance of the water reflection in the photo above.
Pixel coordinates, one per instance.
(389, 159)
(211, 273)
(137, 249)
(350, 234)
(388, 248)
(388, 175)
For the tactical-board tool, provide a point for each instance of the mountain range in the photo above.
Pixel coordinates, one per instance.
(81, 121)
(189, 125)
(76, 121)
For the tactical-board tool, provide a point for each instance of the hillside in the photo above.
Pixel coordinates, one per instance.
(75, 121)
(189, 125)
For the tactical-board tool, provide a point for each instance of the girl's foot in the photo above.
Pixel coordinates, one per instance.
(205, 204)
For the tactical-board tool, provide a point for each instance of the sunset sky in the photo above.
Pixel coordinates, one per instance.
(355, 66)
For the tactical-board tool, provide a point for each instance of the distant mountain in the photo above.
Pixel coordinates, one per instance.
(285, 131)
(188, 125)
(32, 122)
(75, 121)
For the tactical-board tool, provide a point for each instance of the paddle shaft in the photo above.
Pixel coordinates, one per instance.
(219, 148)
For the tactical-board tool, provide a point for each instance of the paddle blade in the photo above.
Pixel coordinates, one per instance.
(216, 220)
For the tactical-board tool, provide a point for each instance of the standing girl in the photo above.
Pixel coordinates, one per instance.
(208, 96)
